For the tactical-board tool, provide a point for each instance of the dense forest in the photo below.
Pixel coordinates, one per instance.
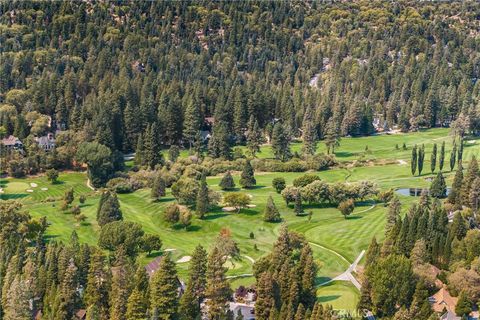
(132, 74)
(85, 83)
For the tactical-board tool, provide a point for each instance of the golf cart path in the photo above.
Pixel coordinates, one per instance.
(347, 275)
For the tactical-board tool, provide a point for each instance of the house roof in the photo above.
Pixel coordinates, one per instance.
(45, 140)
(153, 266)
(11, 141)
(443, 300)
(449, 315)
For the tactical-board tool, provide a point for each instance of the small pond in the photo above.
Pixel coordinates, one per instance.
(414, 192)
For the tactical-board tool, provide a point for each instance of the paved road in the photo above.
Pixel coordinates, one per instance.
(347, 275)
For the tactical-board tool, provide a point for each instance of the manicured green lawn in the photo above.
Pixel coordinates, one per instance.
(335, 241)
(341, 295)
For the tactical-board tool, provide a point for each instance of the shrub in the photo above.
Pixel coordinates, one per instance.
(346, 207)
(279, 184)
(120, 185)
(290, 194)
(227, 182)
(185, 190)
(237, 200)
(305, 179)
(52, 175)
(82, 199)
(171, 213)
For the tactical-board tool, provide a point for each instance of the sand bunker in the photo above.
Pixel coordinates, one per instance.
(229, 209)
(29, 190)
(251, 205)
(44, 189)
(184, 259)
(169, 250)
(33, 185)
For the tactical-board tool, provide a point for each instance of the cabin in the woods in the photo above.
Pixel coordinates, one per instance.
(12, 143)
(443, 303)
(153, 266)
(46, 142)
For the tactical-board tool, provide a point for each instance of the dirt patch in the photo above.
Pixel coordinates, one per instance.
(184, 259)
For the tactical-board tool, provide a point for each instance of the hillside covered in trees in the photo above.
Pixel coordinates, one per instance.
(129, 74)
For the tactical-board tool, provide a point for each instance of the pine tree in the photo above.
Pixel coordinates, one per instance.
(464, 305)
(280, 143)
(438, 188)
(218, 290)
(219, 143)
(454, 197)
(17, 305)
(453, 156)
(108, 208)
(152, 146)
(265, 302)
(96, 292)
(136, 308)
(192, 122)
(421, 158)
(271, 213)
(392, 214)
(441, 160)
(254, 137)
(239, 115)
(460, 152)
(308, 290)
(201, 204)
(121, 287)
(247, 178)
(433, 158)
(158, 187)
(300, 314)
(309, 134)
(474, 199)
(227, 182)
(164, 289)
(68, 291)
(472, 173)
(413, 163)
(140, 150)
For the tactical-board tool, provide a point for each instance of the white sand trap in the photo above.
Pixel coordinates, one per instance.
(251, 205)
(33, 185)
(29, 190)
(250, 196)
(1, 190)
(169, 250)
(402, 162)
(471, 141)
(229, 209)
(184, 259)
(44, 189)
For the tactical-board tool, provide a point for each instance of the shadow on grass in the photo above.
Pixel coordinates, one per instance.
(50, 237)
(328, 298)
(353, 217)
(248, 212)
(163, 200)
(320, 280)
(13, 196)
(344, 154)
(215, 216)
(154, 254)
(254, 188)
